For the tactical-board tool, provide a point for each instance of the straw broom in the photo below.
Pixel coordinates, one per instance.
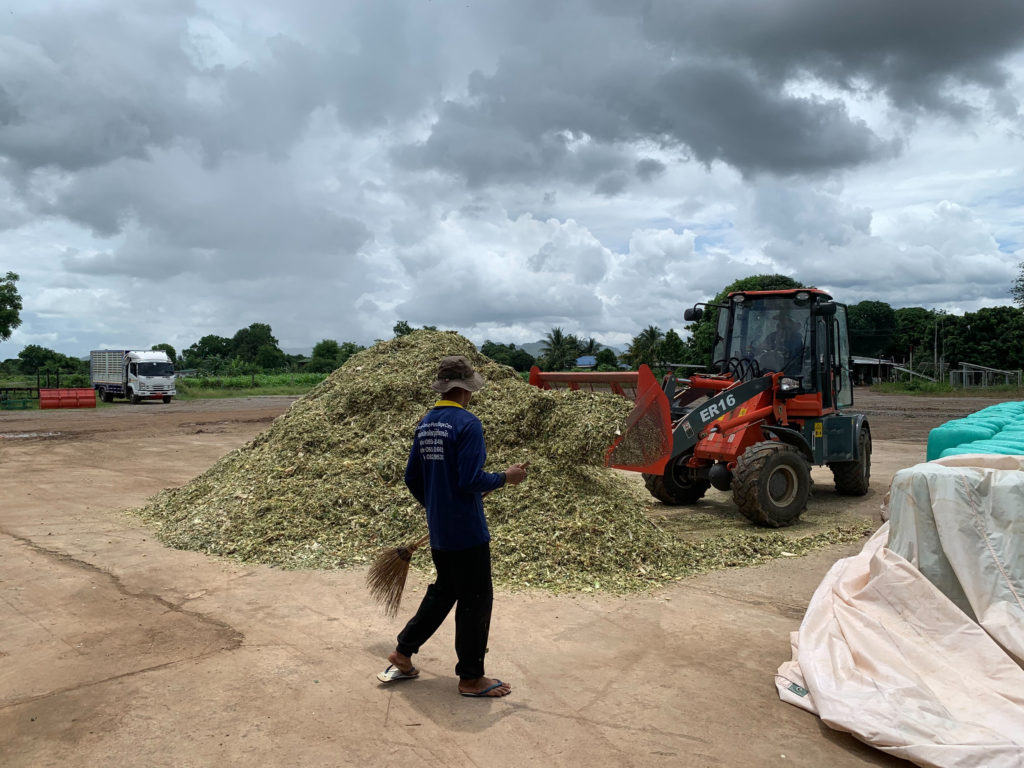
(386, 577)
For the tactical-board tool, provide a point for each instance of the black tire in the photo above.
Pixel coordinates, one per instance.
(133, 397)
(678, 485)
(167, 399)
(771, 483)
(108, 397)
(853, 477)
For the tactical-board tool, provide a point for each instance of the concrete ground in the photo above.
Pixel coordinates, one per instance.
(117, 651)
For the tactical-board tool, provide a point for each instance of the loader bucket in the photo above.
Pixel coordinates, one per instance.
(622, 383)
(646, 443)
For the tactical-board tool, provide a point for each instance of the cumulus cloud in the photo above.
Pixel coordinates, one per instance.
(172, 169)
(942, 256)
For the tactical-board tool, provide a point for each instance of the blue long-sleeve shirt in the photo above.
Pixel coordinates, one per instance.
(445, 473)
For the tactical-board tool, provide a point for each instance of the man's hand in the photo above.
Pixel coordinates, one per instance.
(515, 474)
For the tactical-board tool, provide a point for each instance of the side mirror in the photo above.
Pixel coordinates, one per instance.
(826, 309)
(693, 314)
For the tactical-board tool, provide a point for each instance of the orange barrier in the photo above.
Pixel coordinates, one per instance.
(67, 398)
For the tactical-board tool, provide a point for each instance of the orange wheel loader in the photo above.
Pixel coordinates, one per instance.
(770, 409)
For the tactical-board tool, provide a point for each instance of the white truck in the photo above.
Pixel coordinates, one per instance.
(132, 374)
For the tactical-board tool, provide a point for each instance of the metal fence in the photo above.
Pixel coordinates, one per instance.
(968, 375)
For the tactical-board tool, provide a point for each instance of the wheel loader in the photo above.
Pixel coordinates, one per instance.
(770, 408)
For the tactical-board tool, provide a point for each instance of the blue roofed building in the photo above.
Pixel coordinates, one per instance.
(587, 361)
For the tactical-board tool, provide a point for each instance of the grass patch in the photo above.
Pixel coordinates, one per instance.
(941, 389)
(212, 393)
(207, 387)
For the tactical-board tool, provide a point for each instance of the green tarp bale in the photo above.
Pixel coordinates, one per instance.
(952, 434)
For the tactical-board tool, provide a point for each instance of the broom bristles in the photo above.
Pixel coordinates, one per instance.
(386, 577)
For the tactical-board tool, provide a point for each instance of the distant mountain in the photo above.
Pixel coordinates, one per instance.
(534, 348)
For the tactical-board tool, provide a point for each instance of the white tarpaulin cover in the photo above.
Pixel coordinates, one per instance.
(885, 653)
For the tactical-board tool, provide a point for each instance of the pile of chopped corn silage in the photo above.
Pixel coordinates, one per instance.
(323, 486)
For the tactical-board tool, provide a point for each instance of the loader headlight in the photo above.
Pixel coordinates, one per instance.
(788, 385)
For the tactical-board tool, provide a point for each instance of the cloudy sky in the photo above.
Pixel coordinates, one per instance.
(174, 168)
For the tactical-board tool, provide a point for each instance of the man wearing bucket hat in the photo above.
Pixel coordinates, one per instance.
(445, 473)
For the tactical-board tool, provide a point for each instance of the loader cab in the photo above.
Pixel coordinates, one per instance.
(800, 333)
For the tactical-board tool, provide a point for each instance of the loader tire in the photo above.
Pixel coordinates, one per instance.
(771, 483)
(678, 485)
(852, 477)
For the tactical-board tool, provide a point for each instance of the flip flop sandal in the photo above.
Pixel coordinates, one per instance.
(484, 693)
(393, 673)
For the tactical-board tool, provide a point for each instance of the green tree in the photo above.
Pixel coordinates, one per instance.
(992, 336)
(269, 357)
(1016, 290)
(588, 346)
(872, 326)
(10, 305)
(209, 351)
(325, 356)
(327, 349)
(239, 367)
(606, 358)
(35, 358)
(558, 350)
(248, 342)
(702, 339)
(920, 328)
(508, 354)
(168, 349)
(645, 349)
(673, 348)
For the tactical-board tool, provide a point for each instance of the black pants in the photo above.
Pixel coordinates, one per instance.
(463, 580)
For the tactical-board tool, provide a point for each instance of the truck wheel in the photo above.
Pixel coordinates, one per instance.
(852, 477)
(677, 485)
(167, 399)
(133, 397)
(771, 483)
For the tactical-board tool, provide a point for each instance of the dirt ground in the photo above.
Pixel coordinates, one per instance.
(118, 651)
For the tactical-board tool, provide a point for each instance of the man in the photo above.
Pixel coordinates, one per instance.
(787, 342)
(445, 474)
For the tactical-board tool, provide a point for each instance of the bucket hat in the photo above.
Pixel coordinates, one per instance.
(456, 371)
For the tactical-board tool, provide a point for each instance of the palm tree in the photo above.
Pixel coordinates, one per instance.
(558, 349)
(589, 346)
(646, 347)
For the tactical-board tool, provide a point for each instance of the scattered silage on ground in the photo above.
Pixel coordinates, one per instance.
(323, 487)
